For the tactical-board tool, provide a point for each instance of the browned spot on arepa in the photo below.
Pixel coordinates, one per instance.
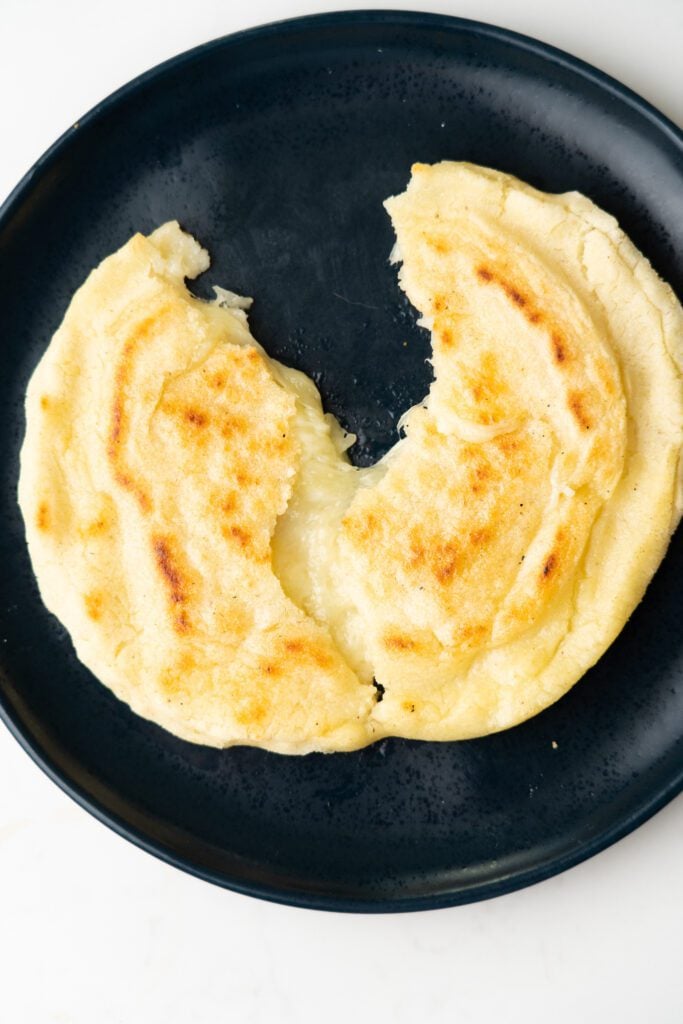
(119, 424)
(577, 401)
(399, 642)
(94, 604)
(43, 521)
(176, 579)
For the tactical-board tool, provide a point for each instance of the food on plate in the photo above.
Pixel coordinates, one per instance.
(194, 519)
(519, 523)
(159, 452)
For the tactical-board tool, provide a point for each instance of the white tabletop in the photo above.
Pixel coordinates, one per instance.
(93, 931)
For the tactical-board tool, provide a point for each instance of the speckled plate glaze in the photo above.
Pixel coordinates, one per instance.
(276, 148)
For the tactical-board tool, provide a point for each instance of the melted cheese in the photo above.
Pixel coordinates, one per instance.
(305, 543)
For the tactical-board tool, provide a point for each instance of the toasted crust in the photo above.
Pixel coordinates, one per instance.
(193, 520)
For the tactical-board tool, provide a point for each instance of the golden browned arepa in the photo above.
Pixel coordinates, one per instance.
(159, 453)
(194, 521)
(516, 529)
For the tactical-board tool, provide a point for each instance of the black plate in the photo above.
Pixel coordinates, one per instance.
(276, 148)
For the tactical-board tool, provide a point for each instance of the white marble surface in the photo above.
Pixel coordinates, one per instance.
(93, 931)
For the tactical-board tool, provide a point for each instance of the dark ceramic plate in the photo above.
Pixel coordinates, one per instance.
(276, 148)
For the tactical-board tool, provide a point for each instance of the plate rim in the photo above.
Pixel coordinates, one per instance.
(9, 713)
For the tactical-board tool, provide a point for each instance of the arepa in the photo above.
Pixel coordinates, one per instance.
(537, 490)
(159, 453)
(194, 520)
